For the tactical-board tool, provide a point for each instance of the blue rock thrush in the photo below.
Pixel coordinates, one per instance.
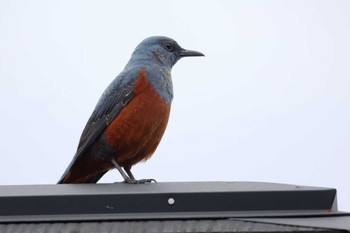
(130, 117)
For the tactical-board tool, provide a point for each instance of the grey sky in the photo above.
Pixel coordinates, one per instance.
(269, 102)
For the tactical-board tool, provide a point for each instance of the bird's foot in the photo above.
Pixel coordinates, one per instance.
(143, 181)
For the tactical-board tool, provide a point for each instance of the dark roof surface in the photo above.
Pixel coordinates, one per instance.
(174, 207)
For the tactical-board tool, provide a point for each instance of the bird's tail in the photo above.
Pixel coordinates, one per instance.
(70, 179)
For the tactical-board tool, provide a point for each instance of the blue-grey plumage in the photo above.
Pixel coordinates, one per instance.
(98, 152)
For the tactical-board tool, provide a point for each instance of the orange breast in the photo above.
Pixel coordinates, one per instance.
(136, 132)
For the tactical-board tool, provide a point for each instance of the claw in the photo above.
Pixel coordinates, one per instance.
(143, 181)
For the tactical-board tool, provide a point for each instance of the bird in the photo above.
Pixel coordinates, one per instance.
(130, 117)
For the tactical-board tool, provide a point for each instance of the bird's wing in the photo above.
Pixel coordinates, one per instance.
(116, 96)
(106, 110)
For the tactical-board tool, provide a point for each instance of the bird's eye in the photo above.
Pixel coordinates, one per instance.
(169, 47)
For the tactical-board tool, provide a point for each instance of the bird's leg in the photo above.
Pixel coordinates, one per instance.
(116, 165)
(129, 179)
(128, 171)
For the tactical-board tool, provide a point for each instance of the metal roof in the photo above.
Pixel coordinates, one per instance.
(77, 206)
(204, 225)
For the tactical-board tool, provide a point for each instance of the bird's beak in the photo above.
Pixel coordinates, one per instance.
(190, 53)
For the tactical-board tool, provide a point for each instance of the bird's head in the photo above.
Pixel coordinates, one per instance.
(162, 49)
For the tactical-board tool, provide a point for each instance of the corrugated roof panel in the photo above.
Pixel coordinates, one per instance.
(228, 225)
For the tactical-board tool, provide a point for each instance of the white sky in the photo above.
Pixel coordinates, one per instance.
(270, 101)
